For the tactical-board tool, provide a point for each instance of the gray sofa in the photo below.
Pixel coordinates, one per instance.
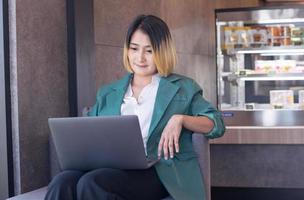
(201, 146)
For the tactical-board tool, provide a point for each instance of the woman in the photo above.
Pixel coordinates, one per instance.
(170, 108)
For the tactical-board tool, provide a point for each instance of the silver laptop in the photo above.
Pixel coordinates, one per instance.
(86, 143)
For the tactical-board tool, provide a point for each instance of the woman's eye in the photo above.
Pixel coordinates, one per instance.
(149, 51)
(133, 48)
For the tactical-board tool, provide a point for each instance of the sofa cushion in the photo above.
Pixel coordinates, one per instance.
(38, 194)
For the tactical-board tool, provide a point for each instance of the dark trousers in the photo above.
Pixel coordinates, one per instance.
(106, 184)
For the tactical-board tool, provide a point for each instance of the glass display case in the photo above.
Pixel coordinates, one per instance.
(260, 66)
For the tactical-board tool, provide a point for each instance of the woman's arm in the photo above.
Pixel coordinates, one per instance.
(201, 117)
(199, 124)
(171, 133)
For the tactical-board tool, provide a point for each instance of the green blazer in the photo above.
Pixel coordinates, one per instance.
(176, 95)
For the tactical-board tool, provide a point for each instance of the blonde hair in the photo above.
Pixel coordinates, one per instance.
(163, 49)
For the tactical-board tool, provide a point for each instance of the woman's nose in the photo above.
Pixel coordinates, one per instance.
(142, 57)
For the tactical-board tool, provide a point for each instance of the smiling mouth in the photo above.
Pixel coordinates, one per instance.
(142, 66)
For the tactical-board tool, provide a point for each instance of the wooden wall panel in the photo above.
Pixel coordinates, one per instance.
(258, 166)
(111, 18)
(109, 64)
(237, 3)
(188, 21)
(39, 82)
(192, 27)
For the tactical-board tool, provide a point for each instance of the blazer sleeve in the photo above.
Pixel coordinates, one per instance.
(94, 111)
(200, 107)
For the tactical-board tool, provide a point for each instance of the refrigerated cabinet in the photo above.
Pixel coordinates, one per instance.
(260, 66)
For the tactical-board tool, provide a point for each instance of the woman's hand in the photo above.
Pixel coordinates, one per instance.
(169, 140)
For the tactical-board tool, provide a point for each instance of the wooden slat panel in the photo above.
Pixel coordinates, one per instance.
(280, 135)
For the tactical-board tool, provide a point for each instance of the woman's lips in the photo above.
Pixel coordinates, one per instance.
(142, 66)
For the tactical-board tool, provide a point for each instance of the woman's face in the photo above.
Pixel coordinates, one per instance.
(140, 55)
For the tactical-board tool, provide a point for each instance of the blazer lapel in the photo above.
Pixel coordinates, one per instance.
(115, 98)
(166, 91)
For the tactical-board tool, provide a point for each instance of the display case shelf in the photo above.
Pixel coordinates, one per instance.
(229, 76)
(267, 50)
(259, 107)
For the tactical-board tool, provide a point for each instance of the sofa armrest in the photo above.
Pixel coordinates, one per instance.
(202, 148)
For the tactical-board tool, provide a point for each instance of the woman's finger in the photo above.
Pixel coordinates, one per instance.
(176, 143)
(160, 146)
(165, 148)
(171, 147)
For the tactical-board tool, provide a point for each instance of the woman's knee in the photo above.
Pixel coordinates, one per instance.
(66, 178)
(63, 186)
(101, 177)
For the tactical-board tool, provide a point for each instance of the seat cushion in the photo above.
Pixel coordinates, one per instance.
(38, 194)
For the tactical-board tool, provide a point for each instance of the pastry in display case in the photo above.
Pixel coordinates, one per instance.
(260, 64)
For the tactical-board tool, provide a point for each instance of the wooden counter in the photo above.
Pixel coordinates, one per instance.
(262, 135)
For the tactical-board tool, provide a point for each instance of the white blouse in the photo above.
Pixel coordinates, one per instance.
(144, 107)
